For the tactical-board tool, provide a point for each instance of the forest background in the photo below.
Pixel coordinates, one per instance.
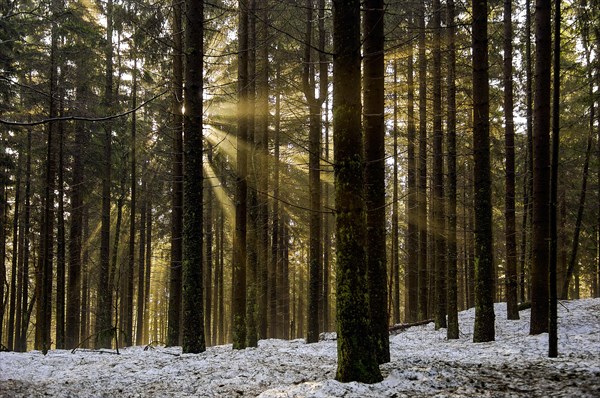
(92, 236)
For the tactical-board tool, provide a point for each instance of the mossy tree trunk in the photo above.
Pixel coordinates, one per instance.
(193, 314)
(357, 359)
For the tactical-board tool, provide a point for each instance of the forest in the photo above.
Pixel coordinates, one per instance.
(194, 173)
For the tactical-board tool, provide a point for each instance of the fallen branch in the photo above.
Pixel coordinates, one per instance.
(404, 326)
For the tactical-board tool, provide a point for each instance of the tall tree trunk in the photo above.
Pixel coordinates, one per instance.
(193, 314)
(139, 335)
(175, 288)
(572, 268)
(60, 236)
(374, 142)
(412, 238)
(276, 321)
(73, 316)
(439, 222)
(326, 234)
(104, 300)
(315, 256)
(510, 233)
(85, 280)
(118, 278)
(10, 344)
(22, 343)
(357, 359)
(46, 258)
(262, 141)
(129, 274)
(285, 272)
(218, 328)
(3, 247)
(252, 220)
(484, 260)
(553, 314)
(526, 233)
(146, 301)
(395, 255)
(20, 258)
(238, 306)
(541, 170)
(422, 164)
(209, 262)
(452, 293)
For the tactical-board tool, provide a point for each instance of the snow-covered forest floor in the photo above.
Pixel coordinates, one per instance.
(424, 364)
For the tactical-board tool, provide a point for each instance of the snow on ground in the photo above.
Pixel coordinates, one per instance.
(424, 364)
